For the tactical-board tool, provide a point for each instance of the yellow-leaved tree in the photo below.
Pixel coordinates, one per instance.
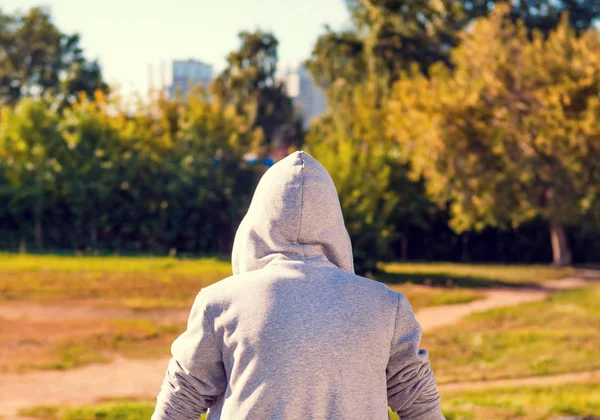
(511, 133)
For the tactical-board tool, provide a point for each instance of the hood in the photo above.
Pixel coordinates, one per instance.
(295, 214)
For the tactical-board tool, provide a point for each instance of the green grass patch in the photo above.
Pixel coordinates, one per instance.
(128, 338)
(135, 282)
(523, 403)
(141, 338)
(550, 337)
(42, 412)
(529, 403)
(70, 355)
(470, 275)
(113, 264)
(422, 297)
(119, 410)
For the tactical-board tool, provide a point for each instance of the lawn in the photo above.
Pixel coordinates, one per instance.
(135, 282)
(150, 297)
(470, 275)
(557, 335)
(529, 403)
(146, 283)
(423, 296)
(114, 264)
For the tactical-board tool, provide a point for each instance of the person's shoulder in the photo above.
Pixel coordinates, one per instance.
(373, 286)
(226, 287)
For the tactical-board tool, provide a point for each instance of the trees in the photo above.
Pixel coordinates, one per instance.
(30, 152)
(388, 35)
(362, 178)
(379, 201)
(545, 15)
(511, 134)
(248, 84)
(36, 57)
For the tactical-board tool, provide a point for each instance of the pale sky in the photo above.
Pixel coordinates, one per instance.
(127, 36)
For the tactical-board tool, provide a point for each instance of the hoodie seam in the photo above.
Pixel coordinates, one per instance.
(395, 325)
(301, 203)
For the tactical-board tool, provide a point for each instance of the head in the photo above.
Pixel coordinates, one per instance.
(295, 214)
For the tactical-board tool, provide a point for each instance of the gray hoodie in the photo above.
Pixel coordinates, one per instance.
(294, 333)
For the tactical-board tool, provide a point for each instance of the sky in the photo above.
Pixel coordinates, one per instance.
(129, 36)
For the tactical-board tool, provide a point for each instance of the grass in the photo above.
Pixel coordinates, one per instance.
(146, 284)
(531, 403)
(67, 344)
(523, 403)
(129, 338)
(149, 283)
(422, 297)
(114, 264)
(470, 275)
(554, 336)
(137, 283)
(119, 410)
(70, 355)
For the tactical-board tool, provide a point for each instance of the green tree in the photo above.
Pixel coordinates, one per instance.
(387, 36)
(98, 162)
(338, 58)
(511, 134)
(36, 57)
(31, 147)
(378, 199)
(248, 84)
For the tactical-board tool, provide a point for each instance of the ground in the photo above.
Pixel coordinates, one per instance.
(118, 315)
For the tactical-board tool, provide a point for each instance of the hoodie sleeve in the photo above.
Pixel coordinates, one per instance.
(195, 377)
(411, 387)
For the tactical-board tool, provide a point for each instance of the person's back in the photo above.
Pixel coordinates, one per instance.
(294, 334)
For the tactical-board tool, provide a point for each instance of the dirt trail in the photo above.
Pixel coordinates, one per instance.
(124, 378)
(75, 311)
(119, 379)
(439, 316)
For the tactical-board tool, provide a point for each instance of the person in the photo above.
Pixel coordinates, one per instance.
(294, 333)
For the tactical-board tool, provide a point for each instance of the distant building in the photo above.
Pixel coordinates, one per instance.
(308, 99)
(187, 74)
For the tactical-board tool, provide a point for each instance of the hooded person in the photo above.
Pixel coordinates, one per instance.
(294, 333)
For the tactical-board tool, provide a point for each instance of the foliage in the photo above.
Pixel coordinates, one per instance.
(337, 58)
(249, 85)
(350, 147)
(31, 149)
(36, 57)
(168, 176)
(510, 135)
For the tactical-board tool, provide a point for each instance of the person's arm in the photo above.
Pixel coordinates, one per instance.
(195, 376)
(411, 388)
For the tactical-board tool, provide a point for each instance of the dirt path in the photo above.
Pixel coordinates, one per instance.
(75, 311)
(438, 316)
(119, 379)
(142, 378)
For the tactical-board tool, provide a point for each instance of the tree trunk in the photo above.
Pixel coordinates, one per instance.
(404, 247)
(561, 253)
(39, 208)
(93, 233)
(465, 248)
(39, 242)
